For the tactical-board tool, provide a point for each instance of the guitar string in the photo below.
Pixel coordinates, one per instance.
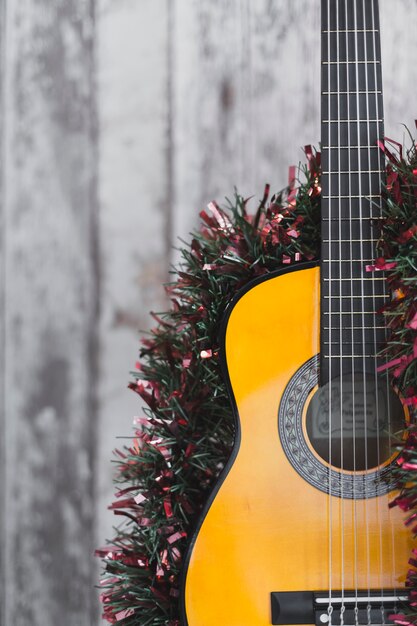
(352, 256)
(374, 8)
(330, 515)
(355, 525)
(374, 307)
(339, 143)
(369, 278)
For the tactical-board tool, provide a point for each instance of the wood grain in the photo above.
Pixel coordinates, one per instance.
(119, 122)
(246, 97)
(134, 192)
(398, 49)
(3, 537)
(247, 93)
(51, 313)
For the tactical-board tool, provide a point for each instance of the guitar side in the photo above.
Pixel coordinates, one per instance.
(267, 528)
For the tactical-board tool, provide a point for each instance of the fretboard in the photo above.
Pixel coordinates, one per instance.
(352, 121)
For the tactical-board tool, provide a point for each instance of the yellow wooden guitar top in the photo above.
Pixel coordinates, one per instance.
(267, 529)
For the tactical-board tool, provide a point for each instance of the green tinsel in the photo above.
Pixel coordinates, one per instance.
(186, 435)
(398, 248)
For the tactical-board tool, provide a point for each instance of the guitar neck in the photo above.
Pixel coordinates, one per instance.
(352, 122)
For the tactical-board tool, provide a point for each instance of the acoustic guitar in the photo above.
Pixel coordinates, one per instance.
(299, 529)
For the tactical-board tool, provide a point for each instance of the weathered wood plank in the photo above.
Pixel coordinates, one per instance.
(50, 274)
(244, 78)
(399, 48)
(134, 191)
(245, 82)
(246, 89)
(2, 325)
(246, 92)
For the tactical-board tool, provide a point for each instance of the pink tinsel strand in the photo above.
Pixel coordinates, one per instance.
(381, 265)
(400, 619)
(412, 401)
(413, 322)
(124, 614)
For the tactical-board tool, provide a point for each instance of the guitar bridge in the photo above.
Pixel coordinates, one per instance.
(348, 608)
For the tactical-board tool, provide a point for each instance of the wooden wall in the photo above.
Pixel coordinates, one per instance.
(119, 121)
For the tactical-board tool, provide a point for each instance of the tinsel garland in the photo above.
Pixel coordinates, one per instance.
(186, 434)
(184, 438)
(398, 249)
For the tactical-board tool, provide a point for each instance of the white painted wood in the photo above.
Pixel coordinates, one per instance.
(398, 49)
(49, 278)
(2, 323)
(244, 78)
(134, 151)
(193, 97)
(246, 97)
(246, 93)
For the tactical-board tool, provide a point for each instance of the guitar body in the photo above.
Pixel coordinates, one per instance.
(267, 527)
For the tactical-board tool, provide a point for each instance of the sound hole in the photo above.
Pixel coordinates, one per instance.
(364, 412)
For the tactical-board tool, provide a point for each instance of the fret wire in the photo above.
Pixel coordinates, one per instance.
(351, 30)
(353, 172)
(350, 296)
(350, 356)
(337, 121)
(349, 62)
(347, 343)
(349, 313)
(351, 147)
(350, 240)
(363, 196)
(338, 93)
(373, 278)
(355, 328)
(351, 219)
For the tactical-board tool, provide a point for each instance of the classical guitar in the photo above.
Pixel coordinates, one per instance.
(298, 530)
